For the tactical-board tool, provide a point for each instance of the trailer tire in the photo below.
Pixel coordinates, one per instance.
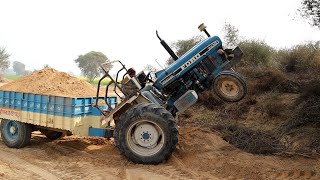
(52, 135)
(230, 86)
(146, 134)
(15, 134)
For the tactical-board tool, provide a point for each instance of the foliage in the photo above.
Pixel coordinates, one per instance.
(306, 111)
(256, 53)
(19, 68)
(12, 77)
(310, 9)
(231, 35)
(4, 60)
(182, 46)
(89, 64)
(150, 68)
(96, 80)
(300, 57)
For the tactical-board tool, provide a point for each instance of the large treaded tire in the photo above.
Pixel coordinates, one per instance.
(15, 134)
(230, 86)
(52, 135)
(156, 118)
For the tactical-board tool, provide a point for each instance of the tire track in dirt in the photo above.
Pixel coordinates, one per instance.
(199, 155)
(15, 162)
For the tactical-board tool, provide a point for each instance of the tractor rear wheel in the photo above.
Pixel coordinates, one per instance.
(230, 86)
(15, 134)
(146, 134)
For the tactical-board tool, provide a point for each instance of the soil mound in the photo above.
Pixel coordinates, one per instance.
(4, 80)
(49, 81)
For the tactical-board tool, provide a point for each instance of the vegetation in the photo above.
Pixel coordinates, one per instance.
(257, 53)
(89, 64)
(231, 35)
(182, 46)
(19, 68)
(12, 77)
(310, 9)
(300, 57)
(4, 60)
(95, 81)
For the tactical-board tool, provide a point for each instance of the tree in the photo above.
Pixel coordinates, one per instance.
(4, 60)
(310, 9)
(231, 35)
(19, 68)
(150, 68)
(182, 46)
(257, 53)
(89, 64)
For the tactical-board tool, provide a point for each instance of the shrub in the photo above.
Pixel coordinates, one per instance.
(308, 106)
(249, 140)
(299, 58)
(267, 79)
(272, 104)
(256, 53)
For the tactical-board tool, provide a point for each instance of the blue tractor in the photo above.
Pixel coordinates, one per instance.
(143, 123)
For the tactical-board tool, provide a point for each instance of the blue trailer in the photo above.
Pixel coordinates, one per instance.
(22, 113)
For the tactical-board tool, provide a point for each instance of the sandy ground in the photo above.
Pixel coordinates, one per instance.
(200, 154)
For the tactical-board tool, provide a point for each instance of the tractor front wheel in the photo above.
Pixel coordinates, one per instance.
(230, 86)
(146, 134)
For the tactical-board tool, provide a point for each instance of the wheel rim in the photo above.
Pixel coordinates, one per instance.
(145, 138)
(229, 88)
(12, 130)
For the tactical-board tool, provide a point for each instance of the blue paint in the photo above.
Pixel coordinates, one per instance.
(52, 105)
(145, 136)
(97, 132)
(175, 68)
(8, 133)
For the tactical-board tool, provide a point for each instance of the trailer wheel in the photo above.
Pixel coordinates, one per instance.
(52, 135)
(15, 134)
(230, 86)
(146, 134)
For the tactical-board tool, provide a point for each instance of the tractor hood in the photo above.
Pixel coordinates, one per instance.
(187, 61)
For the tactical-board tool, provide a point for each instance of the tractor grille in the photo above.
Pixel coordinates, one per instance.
(208, 65)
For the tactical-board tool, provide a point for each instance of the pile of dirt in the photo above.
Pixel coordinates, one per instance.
(49, 81)
(4, 80)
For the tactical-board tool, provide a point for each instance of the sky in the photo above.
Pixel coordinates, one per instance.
(56, 32)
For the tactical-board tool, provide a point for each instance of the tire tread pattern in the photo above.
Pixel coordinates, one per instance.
(138, 111)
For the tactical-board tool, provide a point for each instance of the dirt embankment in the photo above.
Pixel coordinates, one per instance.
(200, 154)
(49, 81)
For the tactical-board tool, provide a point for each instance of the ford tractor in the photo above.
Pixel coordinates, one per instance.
(143, 124)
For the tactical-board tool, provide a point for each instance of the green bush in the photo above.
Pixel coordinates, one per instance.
(300, 57)
(256, 53)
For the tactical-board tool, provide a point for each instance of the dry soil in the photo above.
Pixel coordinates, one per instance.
(200, 154)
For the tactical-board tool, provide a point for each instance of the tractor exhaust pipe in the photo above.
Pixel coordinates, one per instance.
(203, 27)
(169, 50)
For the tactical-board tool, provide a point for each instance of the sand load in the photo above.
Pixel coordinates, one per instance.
(49, 81)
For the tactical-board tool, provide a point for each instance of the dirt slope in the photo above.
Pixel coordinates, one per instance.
(199, 155)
